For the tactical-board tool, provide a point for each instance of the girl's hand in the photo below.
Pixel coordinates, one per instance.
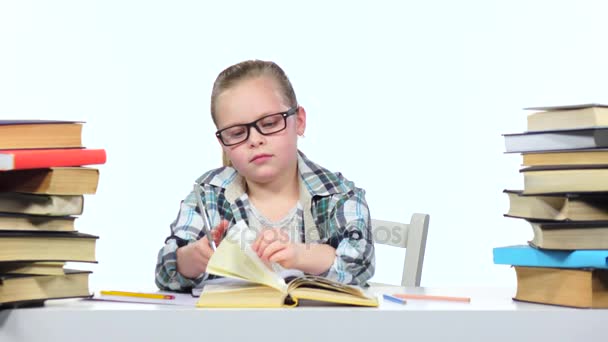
(193, 258)
(274, 245)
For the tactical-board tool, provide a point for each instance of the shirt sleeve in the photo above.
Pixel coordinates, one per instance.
(186, 228)
(351, 223)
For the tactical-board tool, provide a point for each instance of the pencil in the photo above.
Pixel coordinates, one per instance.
(394, 299)
(206, 225)
(429, 297)
(137, 294)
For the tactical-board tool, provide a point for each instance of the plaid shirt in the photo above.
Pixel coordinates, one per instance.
(335, 213)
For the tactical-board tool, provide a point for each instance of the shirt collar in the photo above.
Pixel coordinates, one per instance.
(320, 181)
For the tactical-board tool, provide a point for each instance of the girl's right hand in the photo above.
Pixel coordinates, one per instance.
(193, 258)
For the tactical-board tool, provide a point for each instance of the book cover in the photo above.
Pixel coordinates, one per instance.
(556, 140)
(524, 255)
(45, 158)
(567, 107)
(564, 167)
(35, 122)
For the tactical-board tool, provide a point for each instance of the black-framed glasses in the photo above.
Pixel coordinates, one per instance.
(265, 125)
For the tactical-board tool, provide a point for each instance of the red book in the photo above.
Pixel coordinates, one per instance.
(37, 159)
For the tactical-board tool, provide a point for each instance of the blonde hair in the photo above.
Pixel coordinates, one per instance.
(234, 74)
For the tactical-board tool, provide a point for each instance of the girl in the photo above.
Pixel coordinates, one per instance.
(306, 217)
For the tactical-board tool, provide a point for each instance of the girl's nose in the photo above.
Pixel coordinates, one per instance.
(256, 138)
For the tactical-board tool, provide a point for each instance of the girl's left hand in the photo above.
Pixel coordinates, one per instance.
(274, 245)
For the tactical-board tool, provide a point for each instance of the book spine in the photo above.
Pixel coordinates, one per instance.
(551, 258)
(35, 159)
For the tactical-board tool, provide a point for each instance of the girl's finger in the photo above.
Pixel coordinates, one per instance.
(266, 237)
(206, 250)
(279, 256)
(271, 249)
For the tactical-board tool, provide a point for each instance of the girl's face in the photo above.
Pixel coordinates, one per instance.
(260, 158)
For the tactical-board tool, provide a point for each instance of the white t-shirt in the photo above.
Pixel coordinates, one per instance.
(289, 224)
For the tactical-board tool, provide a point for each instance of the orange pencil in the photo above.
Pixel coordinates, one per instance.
(429, 297)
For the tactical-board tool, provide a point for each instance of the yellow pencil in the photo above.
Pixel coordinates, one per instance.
(137, 294)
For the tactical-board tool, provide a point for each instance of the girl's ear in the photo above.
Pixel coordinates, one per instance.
(225, 160)
(301, 121)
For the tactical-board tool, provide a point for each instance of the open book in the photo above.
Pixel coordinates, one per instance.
(260, 286)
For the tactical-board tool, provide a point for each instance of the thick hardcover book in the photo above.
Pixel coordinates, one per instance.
(581, 288)
(524, 255)
(263, 287)
(568, 117)
(45, 158)
(16, 134)
(564, 158)
(567, 107)
(37, 223)
(556, 140)
(570, 235)
(52, 181)
(49, 205)
(47, 246)
(17, 290)
(32, 268)
(559, 207)
(565, 179)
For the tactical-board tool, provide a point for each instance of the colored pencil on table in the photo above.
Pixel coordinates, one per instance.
(394, 299)
(137, 294)
(429, 297)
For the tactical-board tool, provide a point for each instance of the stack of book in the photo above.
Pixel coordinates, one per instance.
(42, 183)
(565, 200)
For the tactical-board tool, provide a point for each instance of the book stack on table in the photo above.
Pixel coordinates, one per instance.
(565, 200)
(42, 182)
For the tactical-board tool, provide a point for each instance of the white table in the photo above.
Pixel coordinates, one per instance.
(491, 315)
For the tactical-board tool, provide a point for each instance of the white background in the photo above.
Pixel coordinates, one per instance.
(406, 98)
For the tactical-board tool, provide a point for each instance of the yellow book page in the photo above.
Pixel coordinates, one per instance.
(317, 281)
(236, 260)
(240, 296)
(325, 290)
(326, 296)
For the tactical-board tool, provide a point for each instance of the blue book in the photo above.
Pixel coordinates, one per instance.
(523, 255)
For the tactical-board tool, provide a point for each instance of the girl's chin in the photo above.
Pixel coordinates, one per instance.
(263, 176)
